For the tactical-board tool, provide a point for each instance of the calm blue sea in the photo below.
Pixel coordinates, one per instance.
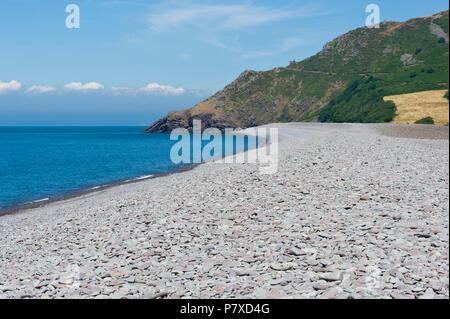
(47, 162)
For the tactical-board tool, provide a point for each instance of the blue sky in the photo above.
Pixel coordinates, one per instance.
(131, 62)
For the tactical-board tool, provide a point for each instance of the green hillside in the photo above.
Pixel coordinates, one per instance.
(345, 82)
(413, 60)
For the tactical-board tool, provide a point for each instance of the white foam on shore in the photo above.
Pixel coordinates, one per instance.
(142, 177)
(139, 178)
(41, 200)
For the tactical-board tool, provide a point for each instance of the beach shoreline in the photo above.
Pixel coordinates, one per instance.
(40, 203)
(27, 205)
(348, 201)
(393, 130)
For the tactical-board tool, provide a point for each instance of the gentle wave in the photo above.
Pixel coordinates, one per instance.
(139, 178)
(41, 200)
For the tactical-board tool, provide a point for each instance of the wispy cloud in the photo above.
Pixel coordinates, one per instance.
(257, 54)
(284, 45)
(78, 86)
(222, 25)
(185, 56)
(10, 86)
(225, 17)
(290, 43)
(125, 3)
(155, 88)
(39, 89)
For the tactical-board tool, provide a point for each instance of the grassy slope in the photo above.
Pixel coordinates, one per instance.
(413, 107)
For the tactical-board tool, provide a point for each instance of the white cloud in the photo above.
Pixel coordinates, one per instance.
(152, 88)
(155, 88)
(78, 86)
(225, 16)
(40, 89)
(9, 86)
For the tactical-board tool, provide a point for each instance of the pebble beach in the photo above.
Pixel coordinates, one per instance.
(353, 211)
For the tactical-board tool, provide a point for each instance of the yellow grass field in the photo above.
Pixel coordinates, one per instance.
(415, 106)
